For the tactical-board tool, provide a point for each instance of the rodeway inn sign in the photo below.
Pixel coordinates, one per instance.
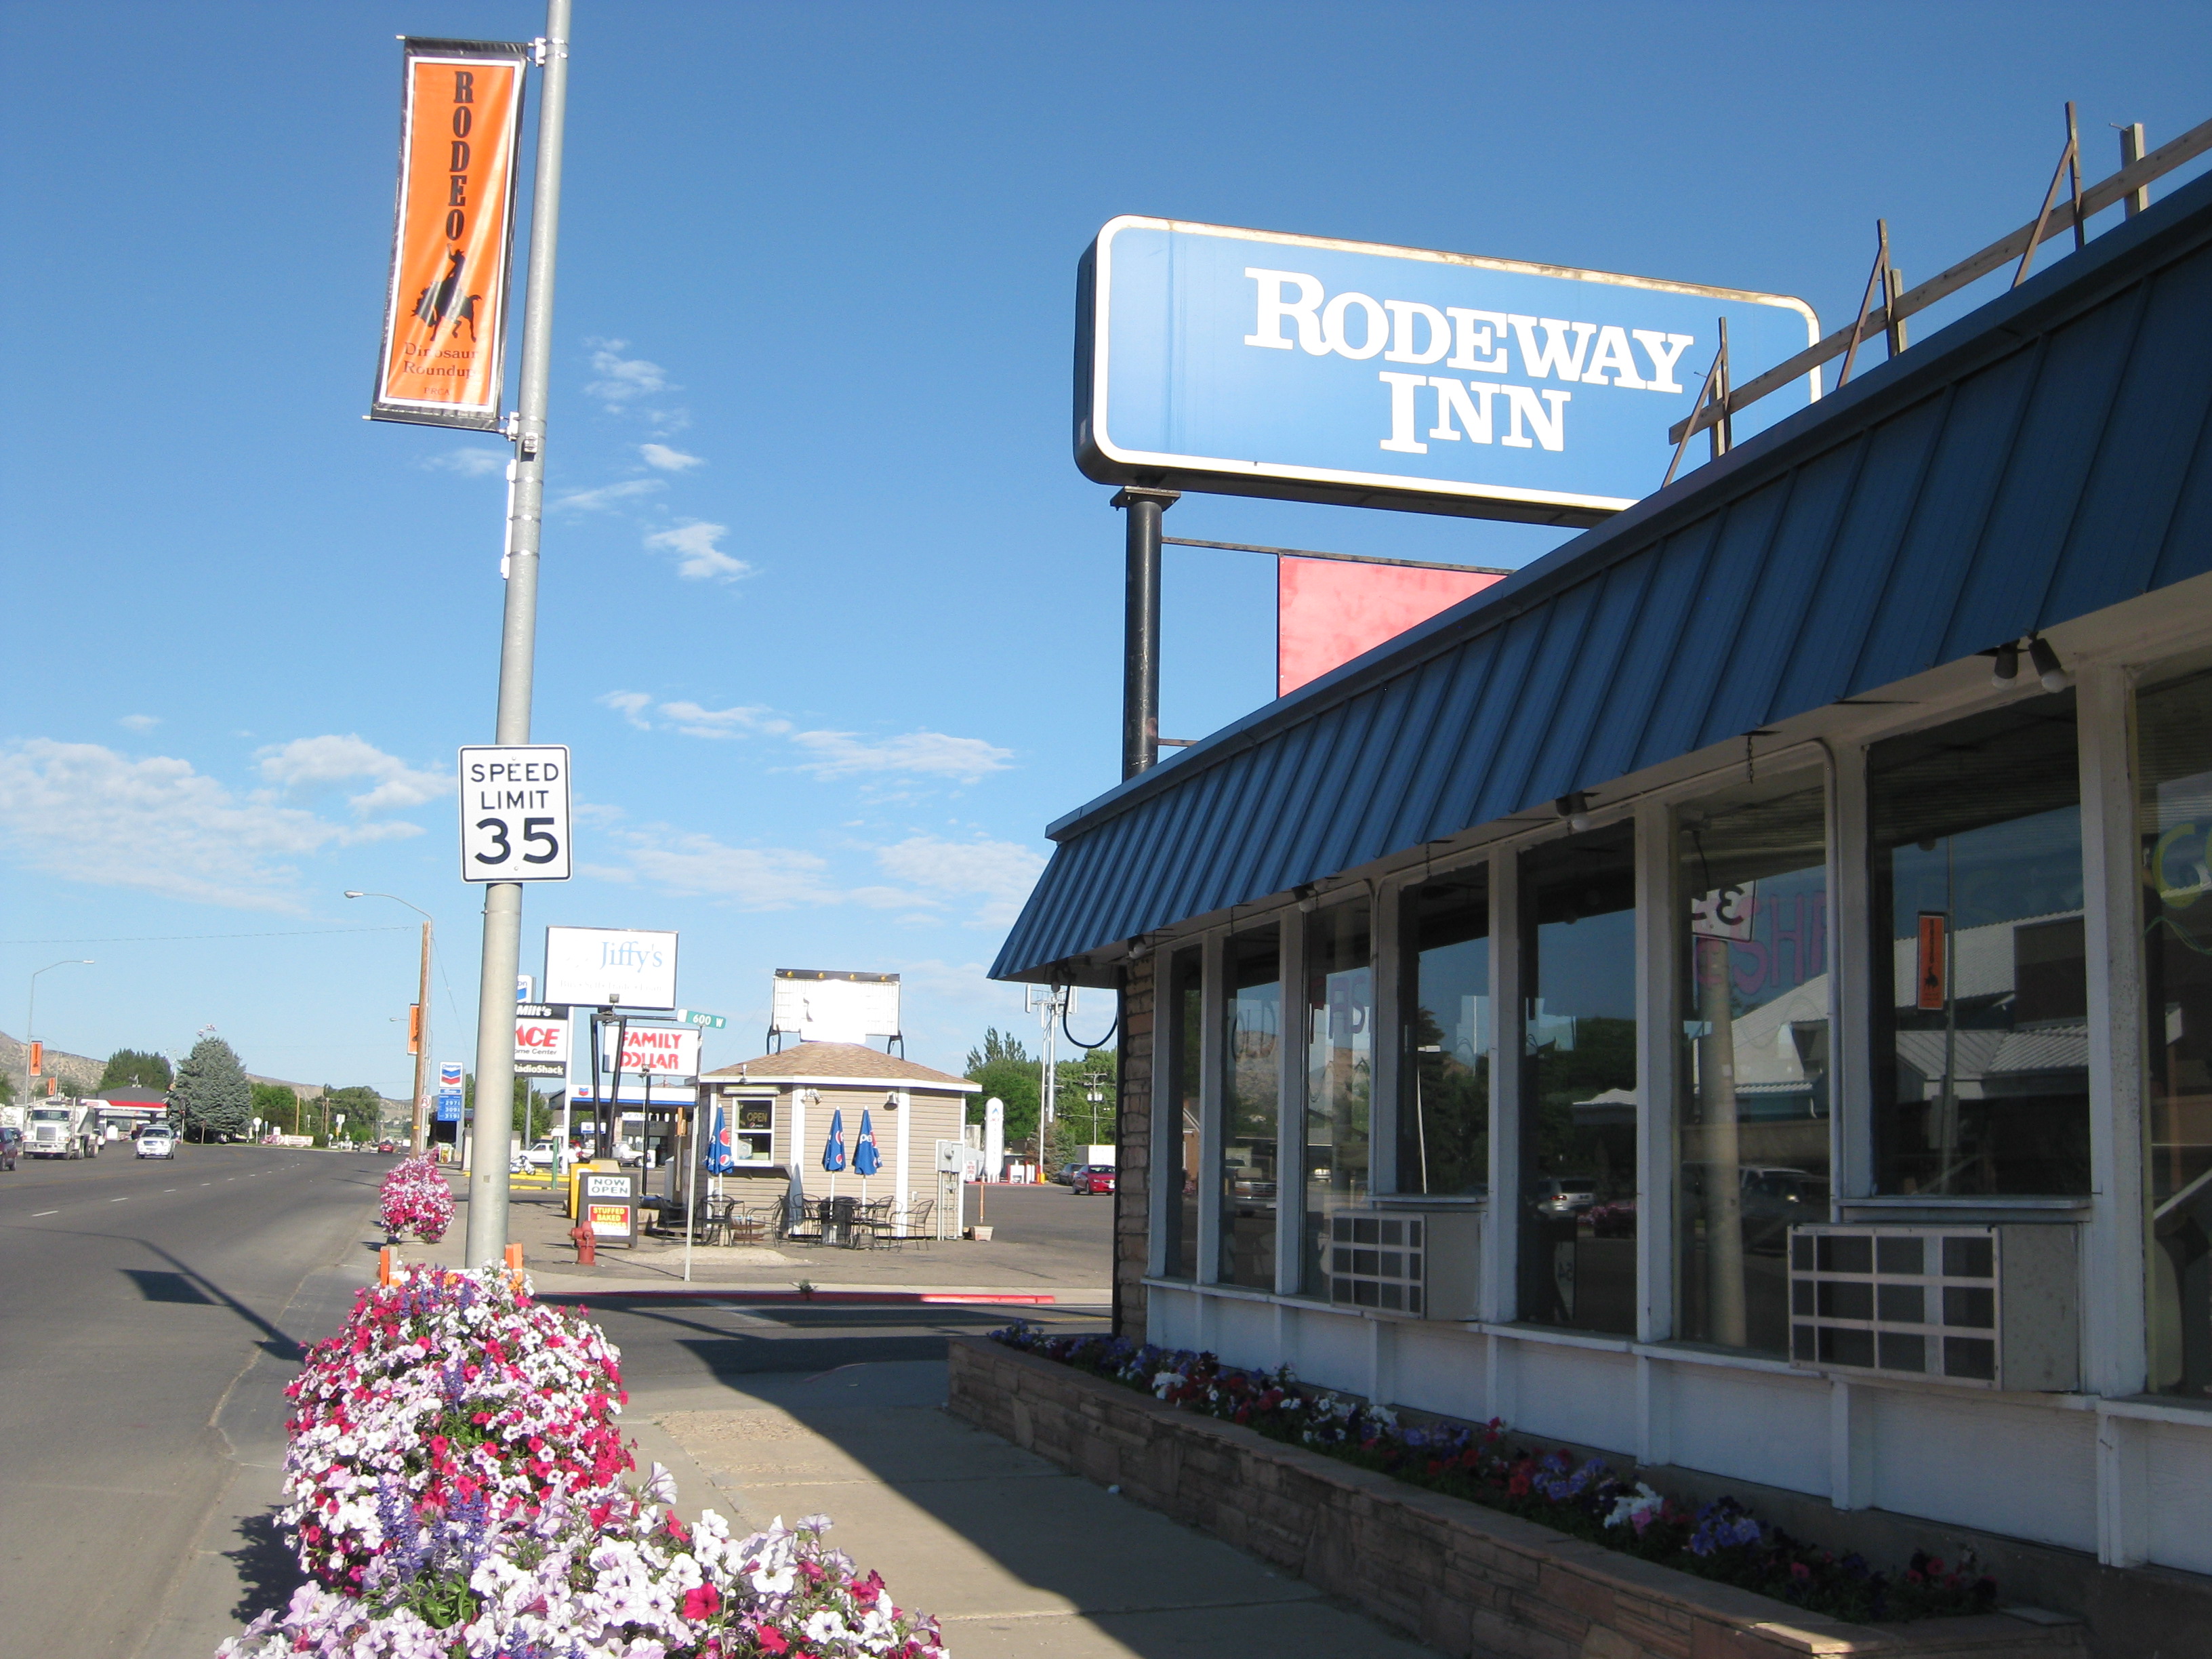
(1253, 363)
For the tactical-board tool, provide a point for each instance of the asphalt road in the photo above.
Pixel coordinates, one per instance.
(148, 1310)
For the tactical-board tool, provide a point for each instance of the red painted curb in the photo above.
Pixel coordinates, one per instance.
(885, 1298)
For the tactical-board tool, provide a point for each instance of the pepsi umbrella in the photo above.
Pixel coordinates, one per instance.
(718, 1159)
(833, 1150)
(865, 1160)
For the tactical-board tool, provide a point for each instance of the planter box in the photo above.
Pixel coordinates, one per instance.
(1464, 1579)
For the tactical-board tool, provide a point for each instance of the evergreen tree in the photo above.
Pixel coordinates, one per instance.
(134, 1068)
(1006, 1069)
(211, 1093)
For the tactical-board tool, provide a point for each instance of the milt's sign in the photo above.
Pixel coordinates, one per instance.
(1249, 362)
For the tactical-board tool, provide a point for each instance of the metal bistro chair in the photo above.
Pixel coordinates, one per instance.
(916, 1229)
(872, 1226)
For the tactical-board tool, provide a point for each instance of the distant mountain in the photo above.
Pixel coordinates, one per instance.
(80, 1073)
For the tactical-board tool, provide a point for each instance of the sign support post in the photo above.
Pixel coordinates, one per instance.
(1140, 636)
(502, 930)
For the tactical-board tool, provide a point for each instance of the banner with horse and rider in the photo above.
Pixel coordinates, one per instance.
(446, 311)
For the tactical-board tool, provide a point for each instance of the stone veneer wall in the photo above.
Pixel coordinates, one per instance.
(1464, 1579)
(1133, 1154)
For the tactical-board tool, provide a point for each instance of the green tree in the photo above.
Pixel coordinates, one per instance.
(278, 1107)
(534, 1112)
(362, 1108)
(1005, 1069)
(135, 1068)
(210, 1092)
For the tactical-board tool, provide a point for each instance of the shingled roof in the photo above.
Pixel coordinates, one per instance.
(839, 1062)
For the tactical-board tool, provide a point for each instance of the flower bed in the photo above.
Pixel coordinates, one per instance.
(456, 1487)
(415, 1198)
(1722, 1540)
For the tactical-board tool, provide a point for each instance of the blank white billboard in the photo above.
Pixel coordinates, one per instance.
(819, 1006)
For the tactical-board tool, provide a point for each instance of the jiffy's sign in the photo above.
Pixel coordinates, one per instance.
(1252, 364)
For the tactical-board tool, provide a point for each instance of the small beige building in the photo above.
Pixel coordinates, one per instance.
(781, 1107)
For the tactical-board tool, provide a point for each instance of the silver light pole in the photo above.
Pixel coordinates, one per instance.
(419, 1134)
(502, 927)
(31, 1017)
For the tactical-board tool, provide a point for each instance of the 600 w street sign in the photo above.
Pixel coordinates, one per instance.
(515, 813)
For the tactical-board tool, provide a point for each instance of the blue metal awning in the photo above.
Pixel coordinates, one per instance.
(2045, 457)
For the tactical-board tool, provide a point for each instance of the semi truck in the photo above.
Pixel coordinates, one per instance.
(63, 1128)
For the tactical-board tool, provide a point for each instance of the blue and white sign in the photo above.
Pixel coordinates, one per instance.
(1254, 363)
(449, 1092)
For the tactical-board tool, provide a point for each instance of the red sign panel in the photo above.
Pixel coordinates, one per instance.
(1329, 610)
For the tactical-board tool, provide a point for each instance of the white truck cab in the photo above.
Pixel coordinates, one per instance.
(63, 1128)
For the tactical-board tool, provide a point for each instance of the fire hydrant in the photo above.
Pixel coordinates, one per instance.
(587, 1246)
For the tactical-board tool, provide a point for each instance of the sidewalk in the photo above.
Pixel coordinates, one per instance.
(1048, 1242)
(1014, 1556)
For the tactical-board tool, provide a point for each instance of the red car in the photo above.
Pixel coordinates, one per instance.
(1092, 1178)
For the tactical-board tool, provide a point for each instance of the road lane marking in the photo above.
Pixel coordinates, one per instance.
(35, 1214)
(118, 1201)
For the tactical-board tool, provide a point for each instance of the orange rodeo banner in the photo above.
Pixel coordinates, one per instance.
(445, 315)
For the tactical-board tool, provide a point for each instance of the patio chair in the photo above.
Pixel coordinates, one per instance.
(917, 1228)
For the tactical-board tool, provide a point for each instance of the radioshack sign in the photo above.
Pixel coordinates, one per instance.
(541, 1042)
(1254, 363)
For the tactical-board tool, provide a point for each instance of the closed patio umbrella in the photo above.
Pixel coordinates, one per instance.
(865, 1160)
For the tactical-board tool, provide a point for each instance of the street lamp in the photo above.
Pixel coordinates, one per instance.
(419, 1137)
(30, 1015)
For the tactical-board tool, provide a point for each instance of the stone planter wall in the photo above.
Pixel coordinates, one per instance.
(1464, 1579)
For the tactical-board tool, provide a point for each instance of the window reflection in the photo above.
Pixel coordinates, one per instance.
(1980, 1006)
(1579, 1097)
(2174, 770)
(1251, 1088)
(1180, 1013)
(1753, 1140)
(1340, 1015)
(1444, 1109)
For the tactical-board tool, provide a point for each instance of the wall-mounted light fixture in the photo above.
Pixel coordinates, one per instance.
(2004, 664)
(891, 1101)
(1574, 807)
(2047, 668)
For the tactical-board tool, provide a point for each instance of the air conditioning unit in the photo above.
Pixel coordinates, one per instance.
(1992, 1306)
(1424, 1262)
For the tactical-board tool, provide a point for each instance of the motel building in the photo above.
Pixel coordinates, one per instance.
(1736, 995)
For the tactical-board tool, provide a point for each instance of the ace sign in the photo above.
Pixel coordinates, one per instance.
(515, 813)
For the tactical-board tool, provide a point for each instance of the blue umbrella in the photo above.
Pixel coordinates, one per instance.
(865, 1160)
(718, 1159)
(833, 1150)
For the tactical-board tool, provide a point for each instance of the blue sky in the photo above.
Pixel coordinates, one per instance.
(828, 616)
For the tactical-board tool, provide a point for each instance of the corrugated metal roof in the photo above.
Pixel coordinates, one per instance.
(2041, 458)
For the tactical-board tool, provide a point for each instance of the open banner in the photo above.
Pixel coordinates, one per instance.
(445, 313)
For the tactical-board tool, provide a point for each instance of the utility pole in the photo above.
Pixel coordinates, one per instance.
(502, 927)
(419, 1137)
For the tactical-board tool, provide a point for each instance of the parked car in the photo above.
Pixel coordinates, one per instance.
(11, 1146)
(1065, 1174)
(157, 1141)
(1091, 1178)
(1561, 1196)
(542, 1155)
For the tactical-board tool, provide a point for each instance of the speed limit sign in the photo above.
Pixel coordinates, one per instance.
(515, 813)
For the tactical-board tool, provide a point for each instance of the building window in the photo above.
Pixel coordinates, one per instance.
(1751, 925)
(1179, 1018)
(752, 1137)
(2174, 776)
(1578, 1092)
(1443, 1105)
(1980, 1002)
(1340, 1037)
(1251, 1094)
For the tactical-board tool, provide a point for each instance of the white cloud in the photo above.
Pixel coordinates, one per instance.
(1000, 873)
(632, 705)
(929, 754)
(664, 459)
(698, 558)
(695, 722)
(87, 813)
(306, 762)
(622, 379)
(469, 463)
(590, 501)
(754, 877)
(139, 722)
